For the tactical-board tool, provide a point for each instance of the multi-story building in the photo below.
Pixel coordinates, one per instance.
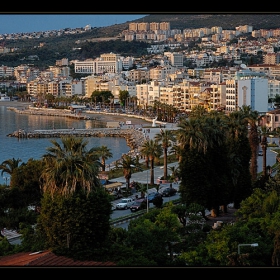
(108, 62)
(271, 58)
(138, 75)
(273, 88)
(249, 89)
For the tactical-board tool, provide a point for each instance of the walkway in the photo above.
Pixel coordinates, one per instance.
(144, 176)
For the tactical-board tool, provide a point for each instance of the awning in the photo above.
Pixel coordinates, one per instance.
(113, 185)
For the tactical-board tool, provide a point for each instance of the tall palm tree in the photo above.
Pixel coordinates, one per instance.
(70, 167)
(127, 164)
(252, 118)
(166, 138)
(153, 150)
(104, 153)
(191, 132)
(264, 131)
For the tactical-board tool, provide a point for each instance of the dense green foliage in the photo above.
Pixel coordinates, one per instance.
(74, 215)
(76, 226)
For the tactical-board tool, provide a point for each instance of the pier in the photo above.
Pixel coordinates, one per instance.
(134, 138)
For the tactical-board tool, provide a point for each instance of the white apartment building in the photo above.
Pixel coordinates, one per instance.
(87, 66)
(175, 58)
(127, 62)
(108, 62)
(249, 89)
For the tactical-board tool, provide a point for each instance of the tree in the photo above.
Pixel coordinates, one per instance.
(26, 178)
(239, 155)
(70, 167)
(252, 118)
(204, 178)
(127, 164)
(8, 166)
(166, 138)
(152, 150)
(75, 210)
(123, 95)
(104, 153)
(76, 226)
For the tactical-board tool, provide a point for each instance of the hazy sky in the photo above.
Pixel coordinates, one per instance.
(17, 23)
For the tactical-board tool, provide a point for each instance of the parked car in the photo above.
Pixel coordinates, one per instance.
(260, 153)
(138, 205)
(169, 192)
(125, 203)
(153, 195)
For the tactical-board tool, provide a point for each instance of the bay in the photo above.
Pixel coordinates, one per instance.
(24, 149)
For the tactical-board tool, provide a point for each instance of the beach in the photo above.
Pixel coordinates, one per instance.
(135, 129)
(101, 116)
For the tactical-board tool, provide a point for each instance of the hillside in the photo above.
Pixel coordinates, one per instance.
(106, 39)
(226, 21)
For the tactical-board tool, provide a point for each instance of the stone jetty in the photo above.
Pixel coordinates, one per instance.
(134, 138)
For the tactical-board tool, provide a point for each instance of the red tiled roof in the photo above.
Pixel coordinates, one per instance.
(47, 258)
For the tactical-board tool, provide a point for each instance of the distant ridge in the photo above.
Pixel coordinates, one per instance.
(226, 20)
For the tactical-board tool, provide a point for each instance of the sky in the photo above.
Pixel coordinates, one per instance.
(18, 23)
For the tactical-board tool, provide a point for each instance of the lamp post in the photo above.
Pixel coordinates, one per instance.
(251, 245)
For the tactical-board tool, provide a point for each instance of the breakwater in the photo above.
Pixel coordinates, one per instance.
(134, 138)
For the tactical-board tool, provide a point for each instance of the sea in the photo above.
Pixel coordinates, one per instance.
(26, 148)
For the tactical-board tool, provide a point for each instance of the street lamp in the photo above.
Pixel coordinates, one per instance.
(251, 245)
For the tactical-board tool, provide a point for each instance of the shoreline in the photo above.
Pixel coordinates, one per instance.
(135, 133)
(23, 107)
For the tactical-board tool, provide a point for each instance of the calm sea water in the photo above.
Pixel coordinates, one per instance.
(24, 149)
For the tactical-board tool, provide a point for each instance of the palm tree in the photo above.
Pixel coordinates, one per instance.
(104, 153)
(190, 132)
(127, 164)
(165, 137)
(263, 131)
(9, 165)
(175, 172)
(252, 118)
(177, 151)
(153, 150)
(70, 167)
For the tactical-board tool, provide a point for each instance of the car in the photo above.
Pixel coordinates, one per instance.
(138, 205)
(260, 153)
(152, 196)
(125, 203)
(169, 192)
